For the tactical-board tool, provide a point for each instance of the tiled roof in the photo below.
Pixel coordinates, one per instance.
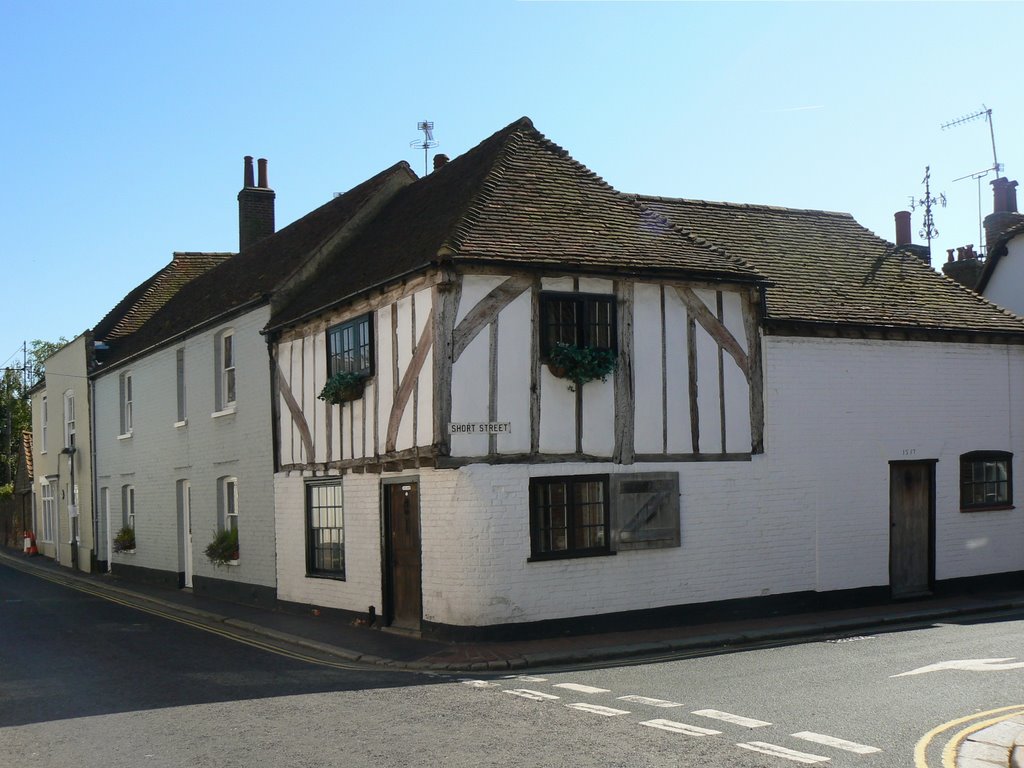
(143, 302)
(824, 267)
(515, 198)
(253, 274)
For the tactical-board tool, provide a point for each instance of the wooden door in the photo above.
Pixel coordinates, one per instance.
(404, 587)
(911, 512)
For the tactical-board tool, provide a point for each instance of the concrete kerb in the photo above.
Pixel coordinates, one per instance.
(710, 642)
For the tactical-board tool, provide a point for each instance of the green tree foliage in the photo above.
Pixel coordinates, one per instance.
(15, 409)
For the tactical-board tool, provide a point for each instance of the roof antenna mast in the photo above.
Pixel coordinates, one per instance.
(427, 142)
(984, 114)
(928, 229)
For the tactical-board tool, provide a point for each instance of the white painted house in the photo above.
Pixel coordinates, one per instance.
(784, 422)
(183, 445)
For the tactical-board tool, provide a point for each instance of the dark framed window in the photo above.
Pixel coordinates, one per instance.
(986, 480)
(569, 516)
(577, 319)
(350, 347)
(325, 530)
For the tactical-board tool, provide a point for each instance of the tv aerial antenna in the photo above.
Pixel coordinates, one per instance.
(427, 142)
(985, 113)
(928, 229)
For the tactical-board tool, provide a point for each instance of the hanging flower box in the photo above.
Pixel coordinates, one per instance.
(343, 387)
(581, 364)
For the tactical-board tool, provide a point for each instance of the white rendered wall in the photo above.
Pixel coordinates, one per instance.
(209, 446)
(1006, 285)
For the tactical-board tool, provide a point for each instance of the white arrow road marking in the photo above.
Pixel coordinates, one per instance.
(580, 688)
(649, 702)
(673, 727)
(832, 741)
(479, 683)
(746, 722)
(789, 754)
(970, 665)
(598, 710)
(532, 695)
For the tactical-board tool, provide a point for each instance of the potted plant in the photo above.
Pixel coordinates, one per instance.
(124, 541)
(343, 387)
(581, 364)
(224, 547)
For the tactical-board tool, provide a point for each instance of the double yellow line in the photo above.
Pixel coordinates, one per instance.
(977, 722)
(229, 634)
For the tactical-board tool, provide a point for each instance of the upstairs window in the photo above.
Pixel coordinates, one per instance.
(576, 319)
(179, 362)
(44, 418)
(986, 480)
(69, 419)
(225, 370)
(350, 347)
(126, 403)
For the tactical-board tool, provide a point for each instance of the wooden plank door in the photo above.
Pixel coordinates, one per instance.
(403, 568)
(911, 513)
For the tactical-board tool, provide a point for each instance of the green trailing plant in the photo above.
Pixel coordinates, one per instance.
(581, 364)
(343, 387)
(124, 541)
(224, 547)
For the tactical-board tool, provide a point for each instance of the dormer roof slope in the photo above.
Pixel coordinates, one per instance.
(144, 301)
(514, 199)
(825, 268)
(254, 274)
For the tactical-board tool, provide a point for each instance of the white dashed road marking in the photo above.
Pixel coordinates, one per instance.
(789, 754)
(746, 722)
(479, 684)
(526, 678)
(832, 741)
(674, 727)
(580, 688)
(598, 710)
(532, 695)
(650, 702)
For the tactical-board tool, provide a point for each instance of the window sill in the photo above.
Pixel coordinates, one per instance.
(125, 436)
(326, 576)
(993, 508)
(125, 552)
(568, 555)
(180, 424)
(229, 411)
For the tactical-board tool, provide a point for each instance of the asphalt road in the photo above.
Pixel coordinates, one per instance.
(87, 682)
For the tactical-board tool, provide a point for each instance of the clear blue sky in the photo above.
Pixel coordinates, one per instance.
(125, 123)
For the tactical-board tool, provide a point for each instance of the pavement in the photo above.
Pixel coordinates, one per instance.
(334, 635)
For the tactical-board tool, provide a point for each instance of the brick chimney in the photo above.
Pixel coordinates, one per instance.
(903, 236)
(1004, 211)
(439, 160)
(255, 206)
(966, 267)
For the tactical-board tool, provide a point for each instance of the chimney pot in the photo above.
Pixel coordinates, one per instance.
(255, 207)
(247, 179)
(262, 163)
(903, 236)
(949, 254)
(1004, 194)
(439, 160)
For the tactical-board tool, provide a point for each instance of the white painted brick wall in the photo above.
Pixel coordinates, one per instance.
(158, 454)
(810, 514)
